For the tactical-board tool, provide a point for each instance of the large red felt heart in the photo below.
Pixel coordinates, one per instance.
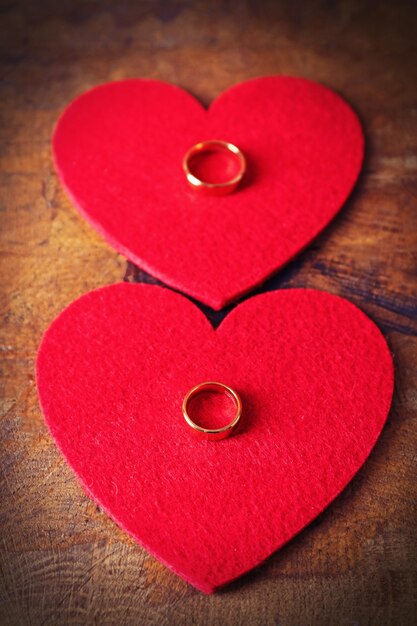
(119, 149)
(315, 376)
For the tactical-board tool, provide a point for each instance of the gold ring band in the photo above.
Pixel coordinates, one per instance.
(213, 434)
(214, 189)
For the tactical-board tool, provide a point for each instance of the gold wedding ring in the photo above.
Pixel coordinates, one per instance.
(213, 434)
(214, 189)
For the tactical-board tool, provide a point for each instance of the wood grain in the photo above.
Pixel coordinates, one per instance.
(62, 560)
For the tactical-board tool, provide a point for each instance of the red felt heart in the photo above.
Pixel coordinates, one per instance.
(315, 376)
(119, 148)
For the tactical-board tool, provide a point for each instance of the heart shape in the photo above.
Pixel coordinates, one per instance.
(315, 376)
(118, 150)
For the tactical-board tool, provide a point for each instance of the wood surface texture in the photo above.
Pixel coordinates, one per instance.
(62, 560)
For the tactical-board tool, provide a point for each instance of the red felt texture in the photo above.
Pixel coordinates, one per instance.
(315, 376)
(118, 150)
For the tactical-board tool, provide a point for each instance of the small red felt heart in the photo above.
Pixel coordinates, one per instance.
(119, 148)
(315, 376)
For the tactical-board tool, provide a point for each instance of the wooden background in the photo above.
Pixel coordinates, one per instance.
(62, 560)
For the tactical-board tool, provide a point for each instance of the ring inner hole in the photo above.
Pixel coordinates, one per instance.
(211, 409)
(214, 165)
